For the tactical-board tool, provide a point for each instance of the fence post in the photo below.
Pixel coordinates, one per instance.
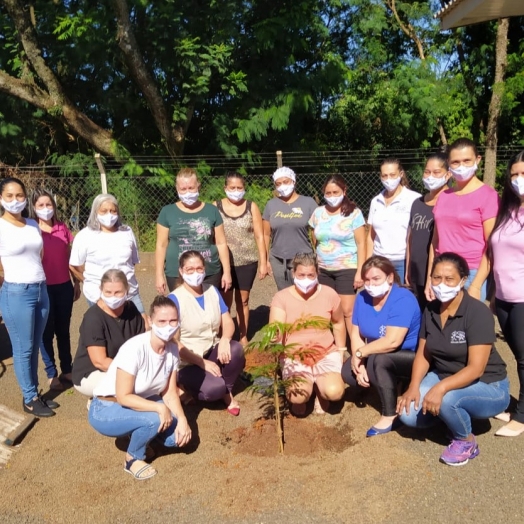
(279, 158)
(101, 168)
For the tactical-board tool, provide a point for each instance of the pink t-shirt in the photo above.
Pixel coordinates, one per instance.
(322, 304)
(508, 259)
(459, 220)
(56, 254)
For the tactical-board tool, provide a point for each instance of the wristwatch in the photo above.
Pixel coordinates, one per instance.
(359, 354)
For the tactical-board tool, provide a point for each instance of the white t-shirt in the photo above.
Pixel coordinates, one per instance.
(390, 223)
(100, 251)
(137, 357)
(21, 252)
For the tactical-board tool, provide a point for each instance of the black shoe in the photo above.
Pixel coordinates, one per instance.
(37, 408)
(50, 403)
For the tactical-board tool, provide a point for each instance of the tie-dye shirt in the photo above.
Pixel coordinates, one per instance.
(336, 246)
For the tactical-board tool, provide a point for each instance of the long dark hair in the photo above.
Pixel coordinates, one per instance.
(348, 206)
(37, 193)
(13, 180)
(396, 162)
(509, 204)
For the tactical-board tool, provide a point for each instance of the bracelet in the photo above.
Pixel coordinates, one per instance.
(342, 349)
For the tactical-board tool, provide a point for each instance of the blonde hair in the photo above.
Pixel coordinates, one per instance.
(187, 172)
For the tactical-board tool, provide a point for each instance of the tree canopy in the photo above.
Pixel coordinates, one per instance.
(132, 77)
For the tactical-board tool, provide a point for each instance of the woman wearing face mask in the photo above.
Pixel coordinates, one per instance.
(210, 365)
(464, 217)
(506, 246)
(245, 240)
(105, 244)
(138, 396)
(190, 225)
(319, 372)
(23, 296)
(457, 374)
(105, 327)
(384, 336)
(339, 235)
(389, 214)
(421, 221)
(62, 293)
(286, 230)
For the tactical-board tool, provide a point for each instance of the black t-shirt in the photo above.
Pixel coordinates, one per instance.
(421, 222)
(100, 329)
(472, 325)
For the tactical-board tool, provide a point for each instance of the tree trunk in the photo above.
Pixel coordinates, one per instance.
(501, 61)
(52, 99)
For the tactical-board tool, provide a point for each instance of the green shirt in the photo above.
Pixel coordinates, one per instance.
(191, 231)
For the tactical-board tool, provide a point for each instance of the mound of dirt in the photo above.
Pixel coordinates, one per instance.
(302, 437)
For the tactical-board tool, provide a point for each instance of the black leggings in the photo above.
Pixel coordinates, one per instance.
(384, 372)
(511, 320)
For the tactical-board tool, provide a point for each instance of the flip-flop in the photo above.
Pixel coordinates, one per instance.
(138, 468)
(234, 411)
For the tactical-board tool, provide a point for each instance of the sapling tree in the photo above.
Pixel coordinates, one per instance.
(272, 340)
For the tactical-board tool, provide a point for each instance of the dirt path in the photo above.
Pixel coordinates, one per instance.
(65, 472)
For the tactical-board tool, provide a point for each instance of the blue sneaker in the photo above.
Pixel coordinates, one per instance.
(459, 452)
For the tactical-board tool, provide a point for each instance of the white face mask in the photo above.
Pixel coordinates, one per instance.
(166, 332)
(432, 182)
(445, 293)
(235, 196)
(15, 206)
(195, 279)
(45, 213)
(463, 173)
(189, 199)
(114, 302)
(518, 185)
(305, 284)
(334, 201)
(391, 183)
(285, 189)
(378, 291)
(108, 220)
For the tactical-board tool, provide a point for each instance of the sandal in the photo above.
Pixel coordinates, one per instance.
(139, 469)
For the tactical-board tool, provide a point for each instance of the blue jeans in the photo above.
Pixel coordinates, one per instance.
(400, 266)
(113, 420)
(137, 301)
(459, 406)
(25, 308)
(472, 275)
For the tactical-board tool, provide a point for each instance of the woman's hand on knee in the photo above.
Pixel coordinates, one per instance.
(212, 368)
(224, 351)
(433, 400)
(404, 402)
(166, 417)
(362, 376)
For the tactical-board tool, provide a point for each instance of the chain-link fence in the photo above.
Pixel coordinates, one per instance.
(149, 185)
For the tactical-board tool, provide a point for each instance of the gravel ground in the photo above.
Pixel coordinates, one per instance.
(64, 472)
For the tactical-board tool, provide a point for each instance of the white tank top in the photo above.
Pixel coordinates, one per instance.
(21, 252)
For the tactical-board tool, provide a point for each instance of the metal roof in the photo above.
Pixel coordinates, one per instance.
(457, 13)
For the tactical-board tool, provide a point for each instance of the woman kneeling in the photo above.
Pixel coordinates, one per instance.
(457, 374)
(138, 396)
(210, 365)
(384, 335)
(322, 364)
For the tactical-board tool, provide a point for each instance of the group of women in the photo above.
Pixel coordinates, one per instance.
(427, 350)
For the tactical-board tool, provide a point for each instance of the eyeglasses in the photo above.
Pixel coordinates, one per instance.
(191, 270)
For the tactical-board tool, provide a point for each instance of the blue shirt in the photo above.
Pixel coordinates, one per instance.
(200, 300)
(400, 310)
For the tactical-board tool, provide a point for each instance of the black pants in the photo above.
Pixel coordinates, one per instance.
(58, 322)
(384, 372)
(511, 320)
